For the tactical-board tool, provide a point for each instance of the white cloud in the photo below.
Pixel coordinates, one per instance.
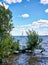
(40, 26)
(44, 1)
(25, 15)
(41, 23)
(6, 6)
(19, 1)
(13, 1)
(37, 24)
(46, 10)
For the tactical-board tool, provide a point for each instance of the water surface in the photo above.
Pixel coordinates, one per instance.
(26, 59)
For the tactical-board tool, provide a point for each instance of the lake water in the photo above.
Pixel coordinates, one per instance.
(23, 39)
(29, 59)
(44, 43)
(26, 59)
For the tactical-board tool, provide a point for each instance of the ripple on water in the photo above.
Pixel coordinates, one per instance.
(26, 59)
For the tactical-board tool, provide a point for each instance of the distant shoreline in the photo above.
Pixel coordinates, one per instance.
(26, 36)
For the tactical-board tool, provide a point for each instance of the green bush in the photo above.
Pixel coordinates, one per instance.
(33, 40)
(15, 46)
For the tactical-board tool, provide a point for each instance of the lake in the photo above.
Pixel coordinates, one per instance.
(23, 39)
(28, 59)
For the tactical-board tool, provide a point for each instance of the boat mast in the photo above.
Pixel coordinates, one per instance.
(22, 33)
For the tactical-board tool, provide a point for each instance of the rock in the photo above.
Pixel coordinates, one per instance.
(16, 52)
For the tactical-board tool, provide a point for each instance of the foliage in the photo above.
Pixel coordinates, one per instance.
(15, 46)
(6, 40)
(33, 40)
(5, 28)
(5, 46)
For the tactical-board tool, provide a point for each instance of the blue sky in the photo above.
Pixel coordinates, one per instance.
(28, 14)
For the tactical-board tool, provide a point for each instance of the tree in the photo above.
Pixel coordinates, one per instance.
(33, 40)
(6, 40)
(15, 46)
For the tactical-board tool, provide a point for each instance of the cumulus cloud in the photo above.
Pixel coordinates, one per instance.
(25, 15)
(40, 26)
(44, 1)
(6, 6)
(13, 1)
(46, 10)
(37, 24)
(41, 23)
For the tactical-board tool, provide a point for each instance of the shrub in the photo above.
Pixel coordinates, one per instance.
(33, 40)
(15, 46)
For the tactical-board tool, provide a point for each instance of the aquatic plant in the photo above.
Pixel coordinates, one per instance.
(33, 40)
